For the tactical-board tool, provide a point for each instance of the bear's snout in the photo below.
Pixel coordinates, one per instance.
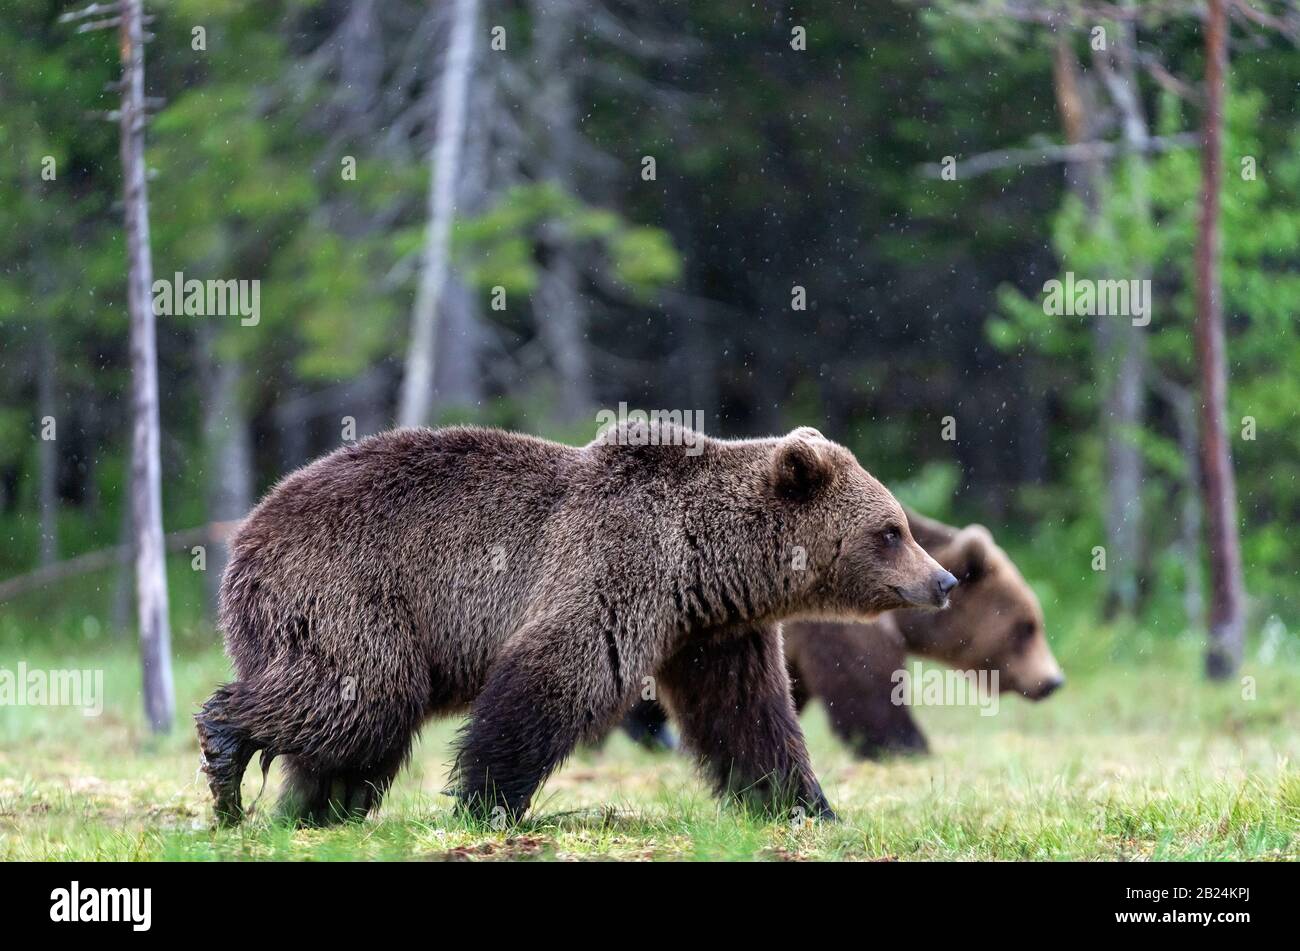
(931, 593)
(1046, 688)
(944, 582)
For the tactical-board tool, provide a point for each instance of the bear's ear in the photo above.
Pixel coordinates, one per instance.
(931, 535)
(969, 554)
(799, 469)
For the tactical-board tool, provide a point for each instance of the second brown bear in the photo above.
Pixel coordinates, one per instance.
(994, 623)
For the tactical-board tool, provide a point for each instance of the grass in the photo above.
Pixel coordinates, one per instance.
(1139, 759)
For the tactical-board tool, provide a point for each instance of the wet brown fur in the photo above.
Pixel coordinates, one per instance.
(421, 573)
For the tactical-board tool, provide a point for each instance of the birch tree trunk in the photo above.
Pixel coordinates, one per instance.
(146, 476)
(457, 371)
(417, 383)
(1227, 588)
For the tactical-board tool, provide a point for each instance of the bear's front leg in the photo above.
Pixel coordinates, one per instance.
(555, 685)
(730, 696)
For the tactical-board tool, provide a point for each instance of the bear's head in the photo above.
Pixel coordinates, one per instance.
(858, 554)
(995, 621)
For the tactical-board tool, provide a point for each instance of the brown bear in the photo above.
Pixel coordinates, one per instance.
(994, 623)
(423, 572)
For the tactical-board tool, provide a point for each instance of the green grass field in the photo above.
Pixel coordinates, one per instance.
(1133, 760)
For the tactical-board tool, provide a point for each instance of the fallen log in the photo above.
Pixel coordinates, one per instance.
(183, 540)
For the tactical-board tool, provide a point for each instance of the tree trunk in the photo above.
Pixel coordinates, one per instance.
(362, 62)
(1227, 588)
(1183, 405)
(561, 322)
(417, 384)
(1078, 121)
(457, 380)
(458, 377)
(1121, 365)
(558, 305)
(228, 450)
(1032, 436)
(122, 616)
(698, 326)
(146, 475)
(1120, 346)
(293, 428)
(47, 456)
(1122, 351)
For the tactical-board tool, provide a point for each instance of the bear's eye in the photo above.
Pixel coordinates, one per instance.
(890, 537)
(1024, 632)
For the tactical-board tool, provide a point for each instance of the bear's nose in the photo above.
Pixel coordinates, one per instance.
(1050, 687)
(944, 582)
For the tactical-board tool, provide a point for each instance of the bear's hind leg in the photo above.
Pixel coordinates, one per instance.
(347, 730)
(225, 747)
(319, 797)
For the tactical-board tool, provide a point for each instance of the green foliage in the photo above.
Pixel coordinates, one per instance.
(1145, 224)
(497, 247)
(931, 490)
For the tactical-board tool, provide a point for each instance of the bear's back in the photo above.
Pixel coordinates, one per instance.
(395, 482)
(435, 530)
